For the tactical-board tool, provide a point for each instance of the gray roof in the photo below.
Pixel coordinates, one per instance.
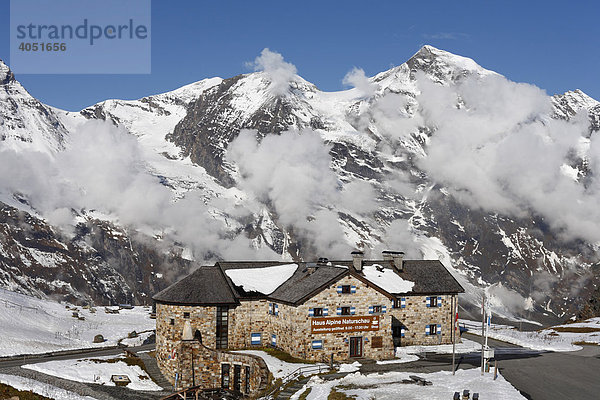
(205, 286)
(306, 281)
(210, 285)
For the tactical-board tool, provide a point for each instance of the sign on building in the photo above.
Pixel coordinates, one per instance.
(344, 324)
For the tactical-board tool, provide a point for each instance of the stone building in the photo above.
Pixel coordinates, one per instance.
(311, 310)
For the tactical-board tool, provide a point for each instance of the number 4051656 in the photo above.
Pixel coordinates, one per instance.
(26, 46)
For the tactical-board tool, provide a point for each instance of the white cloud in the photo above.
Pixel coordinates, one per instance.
(280, 72)
(357, 78)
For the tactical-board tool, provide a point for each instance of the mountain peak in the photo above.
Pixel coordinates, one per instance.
(443, 64)
(6, 75)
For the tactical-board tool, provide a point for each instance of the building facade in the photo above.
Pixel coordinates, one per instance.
(315, 311)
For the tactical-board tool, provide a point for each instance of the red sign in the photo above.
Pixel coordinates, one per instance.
(344, 324)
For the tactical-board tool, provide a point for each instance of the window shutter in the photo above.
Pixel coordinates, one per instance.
(352, 289)
(439, 303)
(383, 309)
(352, 310)
(274, 340)
(403, 302)
(317, 344)
(339, 289)
(339, 311)
(428, 301)
(311, 312)
(439, 329)
(255, 338)
(276, 309)
(270, 308)
(325, 312)
(426, 330)
(370, 309)
(402, 332)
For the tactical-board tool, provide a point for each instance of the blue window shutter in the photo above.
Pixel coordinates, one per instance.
(402, 332)
(274, 340)
(276, 309)
(439, 329)
(339, 289)
(383, 309)
(439, 301)
(370, 309)
(352, 289)
(339, 311)
(311, 312)
(325, 312)
(352, 310)
(255, 338)
(428, 300)
(403, 302)
(426, 330)
(270, 308)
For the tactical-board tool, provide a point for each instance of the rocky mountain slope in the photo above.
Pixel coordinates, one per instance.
(267, 165)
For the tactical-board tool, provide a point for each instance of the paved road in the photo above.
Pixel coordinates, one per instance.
(549, 375)
(100, 392)
(81, 354)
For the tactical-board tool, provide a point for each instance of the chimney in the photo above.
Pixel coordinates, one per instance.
(357, 260)
(387, 255)
(396, 257)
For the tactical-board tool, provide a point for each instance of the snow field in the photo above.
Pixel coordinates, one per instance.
(29, 325)
(97, 370)
(388, 386)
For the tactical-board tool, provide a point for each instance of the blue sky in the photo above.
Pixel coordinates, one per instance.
(551, 44)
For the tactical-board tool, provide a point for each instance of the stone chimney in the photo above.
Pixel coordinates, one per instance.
(357, 260)
(396, 257)
(187, 331)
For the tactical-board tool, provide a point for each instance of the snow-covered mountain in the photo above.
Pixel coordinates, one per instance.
(375, 166)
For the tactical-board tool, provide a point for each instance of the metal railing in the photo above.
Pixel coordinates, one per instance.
(311, 369)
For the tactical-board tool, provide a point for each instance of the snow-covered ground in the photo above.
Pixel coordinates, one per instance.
(558, 338)
(25, 384)
(388, 386)
(279, 368)
(30, 325)
(97, 370)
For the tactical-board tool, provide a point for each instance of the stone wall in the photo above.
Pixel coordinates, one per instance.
(416, 316)
(197, 365)
(168, 335)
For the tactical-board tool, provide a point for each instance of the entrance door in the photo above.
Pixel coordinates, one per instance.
(356, 347)
(222, 327)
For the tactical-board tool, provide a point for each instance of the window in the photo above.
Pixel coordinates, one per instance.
(432, 329)
(376, 309)
(225, 376)
(247, 379)
(432, 301)
(346, 311)
(273, 309)
(222, 326)
(186, 315)
(345, 289)
(172, 322)
(318, 312)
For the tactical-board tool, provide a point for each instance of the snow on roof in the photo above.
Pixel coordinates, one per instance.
(387, 279)
(263, 280)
